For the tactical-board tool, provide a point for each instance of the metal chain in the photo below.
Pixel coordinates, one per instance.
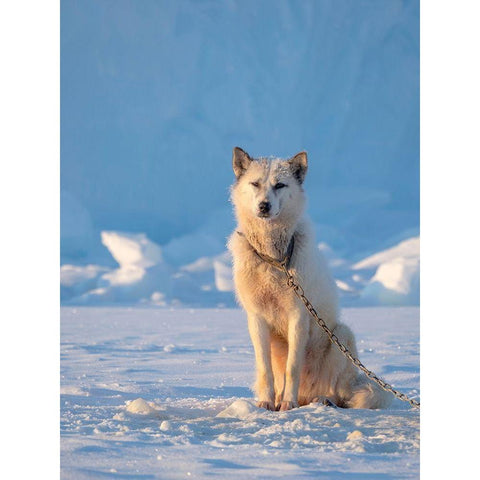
(299, 292)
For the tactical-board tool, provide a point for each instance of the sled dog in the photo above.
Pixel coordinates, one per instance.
(296, 363)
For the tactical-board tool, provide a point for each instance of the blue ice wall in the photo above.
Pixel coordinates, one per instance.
(154, 95)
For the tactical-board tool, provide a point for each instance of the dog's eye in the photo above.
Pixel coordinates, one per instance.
(255, 184)
(279, 185)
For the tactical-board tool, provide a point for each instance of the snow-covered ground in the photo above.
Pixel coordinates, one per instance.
(156, 393)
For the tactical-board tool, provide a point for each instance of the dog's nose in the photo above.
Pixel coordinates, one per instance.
(264, 207)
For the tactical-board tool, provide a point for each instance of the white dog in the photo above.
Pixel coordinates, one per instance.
(296, 363)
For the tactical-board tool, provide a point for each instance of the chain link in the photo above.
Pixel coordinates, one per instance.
(300, 293)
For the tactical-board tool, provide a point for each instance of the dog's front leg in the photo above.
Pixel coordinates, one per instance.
(260, 335)
(297, 341)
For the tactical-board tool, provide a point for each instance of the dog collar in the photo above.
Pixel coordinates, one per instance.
(280, 264)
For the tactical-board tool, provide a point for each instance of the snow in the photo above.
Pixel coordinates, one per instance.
(397, 277)
(239, 409)
(132, 249)
(395, 282)
(154, 98)
(149, 274)
(164, 393)
(166, 91)
(77, 279)
(407, 249)
(141, 407)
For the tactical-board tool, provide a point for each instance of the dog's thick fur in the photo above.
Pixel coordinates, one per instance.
(296, 363)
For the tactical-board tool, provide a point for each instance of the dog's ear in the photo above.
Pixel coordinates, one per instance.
(299, 166)
(241, 161)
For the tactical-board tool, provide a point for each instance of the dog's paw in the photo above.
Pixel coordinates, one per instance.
(324, 401)
(286, 405)
(267, 405)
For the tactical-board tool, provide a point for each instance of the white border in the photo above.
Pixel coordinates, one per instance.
(450, 131)
(29, 196)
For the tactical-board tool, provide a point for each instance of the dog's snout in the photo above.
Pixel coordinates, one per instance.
(264, 207)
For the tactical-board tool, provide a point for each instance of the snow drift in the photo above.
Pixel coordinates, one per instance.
(397, 276)
(144, 276)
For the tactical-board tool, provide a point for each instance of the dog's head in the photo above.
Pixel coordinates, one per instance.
(269, 189)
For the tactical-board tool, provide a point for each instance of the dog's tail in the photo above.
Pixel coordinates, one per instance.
(367, 394)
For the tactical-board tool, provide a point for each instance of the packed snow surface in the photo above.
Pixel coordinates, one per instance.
(155, 393)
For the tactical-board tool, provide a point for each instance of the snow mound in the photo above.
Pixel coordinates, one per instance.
(135, 253)
(141, 407)
(73, 275)
(355, 435)
(395, 283)
(409, 248)
(239, 409)
(142, 276)
(146, 275)
(165, 426)
(132, 249)
(397, 278)
(124, 276)
(77, 279)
